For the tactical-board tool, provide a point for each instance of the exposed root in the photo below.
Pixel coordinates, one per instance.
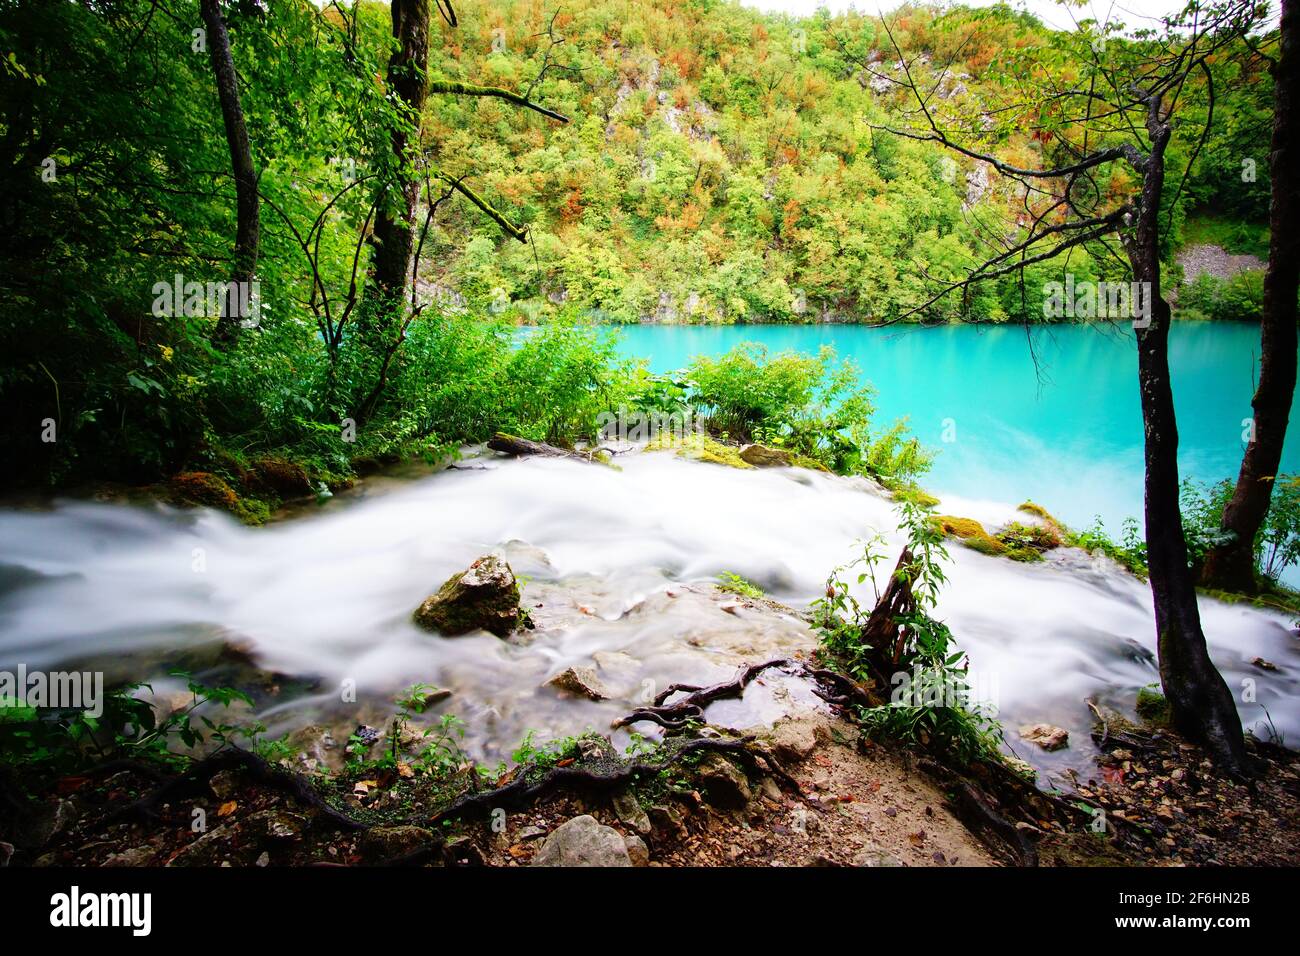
(278, 778)
(521, 790)
(678, 715)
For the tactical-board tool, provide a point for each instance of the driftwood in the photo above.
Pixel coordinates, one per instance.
(514, 445)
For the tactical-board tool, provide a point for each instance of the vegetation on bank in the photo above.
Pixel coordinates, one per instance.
(726, 165)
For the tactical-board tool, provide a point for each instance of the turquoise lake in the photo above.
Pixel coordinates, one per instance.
(1066, 433)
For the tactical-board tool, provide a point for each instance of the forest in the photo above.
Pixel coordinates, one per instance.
(576, 433)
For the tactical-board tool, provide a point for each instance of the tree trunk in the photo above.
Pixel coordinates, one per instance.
(1200, 702)
(1231, 565)
(394, 233)
(248, 227)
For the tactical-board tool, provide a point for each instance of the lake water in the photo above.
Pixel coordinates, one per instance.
(1050, 414)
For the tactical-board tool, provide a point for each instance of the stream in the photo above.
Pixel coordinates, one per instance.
(625, 557)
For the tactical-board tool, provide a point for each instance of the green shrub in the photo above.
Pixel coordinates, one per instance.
(810, 405)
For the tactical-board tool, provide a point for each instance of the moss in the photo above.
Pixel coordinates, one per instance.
(1153, 707)
(1023, 555)
(916, 495)
(971, 533)
(985, 544)
(955, 527)
(803, 461)
(204, 489)
(701, 448)
(1278, 599)
(1031, 537)
(288, 479)
(1038, 511)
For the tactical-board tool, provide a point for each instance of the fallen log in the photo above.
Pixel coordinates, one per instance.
(518, 447)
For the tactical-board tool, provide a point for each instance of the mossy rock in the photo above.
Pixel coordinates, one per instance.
(917, 496)
(288, 479)
(204, 489)
(485, 596)
(986, 544)
(1038, 511)
(701, 448)
(955, 527)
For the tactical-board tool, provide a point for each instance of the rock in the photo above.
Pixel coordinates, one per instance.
(264, 860)
(763, 457)
(667, 818)
(483, 597)
(619, 669)
(1045, 735)
(463, 851)
(531, 833)
(1264, 665)
(275, 825)
(135, 856)
(316, 748)
(48, 820)
(581, 681)
(874, 856)
(287, 479)
(631, 812)
(6, 853)
(208, 850)
(637, 851)
(723, 783)
(583, 841)
(225, 784)
(380, 844)
(794, 740)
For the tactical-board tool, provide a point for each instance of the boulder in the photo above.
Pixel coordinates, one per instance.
(1045, 735)
(581, 681)
(761, 456)
(583, 841)
(724, 784)
(483, 597)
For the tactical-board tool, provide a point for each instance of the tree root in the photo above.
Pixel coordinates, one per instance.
(278, 778)
(521, 790)
(678, 715)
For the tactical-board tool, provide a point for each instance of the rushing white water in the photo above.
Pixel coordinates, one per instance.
(330, 595)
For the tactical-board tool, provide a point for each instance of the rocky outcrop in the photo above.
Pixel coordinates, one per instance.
(483, 597)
